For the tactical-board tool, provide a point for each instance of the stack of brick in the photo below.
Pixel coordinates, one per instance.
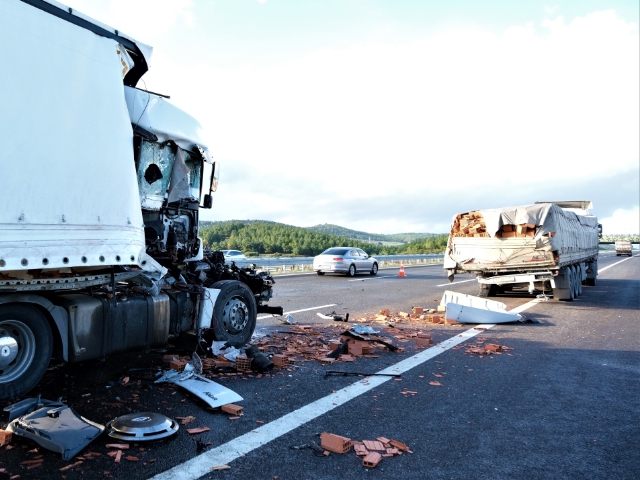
(470, 224)
(511, 231)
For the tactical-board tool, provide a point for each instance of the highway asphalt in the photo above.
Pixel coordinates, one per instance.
(563, 402)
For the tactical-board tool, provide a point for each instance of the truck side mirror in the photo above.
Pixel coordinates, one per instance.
(207, 201)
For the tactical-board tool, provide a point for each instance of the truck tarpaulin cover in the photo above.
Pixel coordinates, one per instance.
(70, 195)
(573, 237)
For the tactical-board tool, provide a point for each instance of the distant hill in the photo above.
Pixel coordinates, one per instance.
(256, 237)
(366, 237)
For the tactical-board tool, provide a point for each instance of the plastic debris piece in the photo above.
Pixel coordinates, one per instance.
(364, 330)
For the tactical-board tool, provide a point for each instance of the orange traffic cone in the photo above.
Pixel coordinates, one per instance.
(401, 272)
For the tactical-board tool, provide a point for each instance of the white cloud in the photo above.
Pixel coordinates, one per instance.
(625, 222)
(459, 111)
(145, 20)
(461, 114)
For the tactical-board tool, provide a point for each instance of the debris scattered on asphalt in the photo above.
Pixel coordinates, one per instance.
(372, 451)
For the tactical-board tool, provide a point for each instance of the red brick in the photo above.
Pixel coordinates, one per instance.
(5, 437)
(371, 460)
(232, 408)
(335, 443)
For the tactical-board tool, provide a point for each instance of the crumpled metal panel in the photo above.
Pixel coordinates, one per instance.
(59, 429)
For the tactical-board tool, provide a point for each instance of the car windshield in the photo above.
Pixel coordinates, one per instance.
(335, 251)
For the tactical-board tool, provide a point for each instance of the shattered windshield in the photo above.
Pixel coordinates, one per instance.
(154, 172)
(194, 163)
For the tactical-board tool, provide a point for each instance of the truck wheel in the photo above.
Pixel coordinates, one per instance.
(374, 269)
(352, 271)
(234, 314)
(487, 290)
(26, 344)
(320, 273)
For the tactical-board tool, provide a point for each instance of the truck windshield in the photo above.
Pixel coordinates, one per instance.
(154, 173)
(194, 163)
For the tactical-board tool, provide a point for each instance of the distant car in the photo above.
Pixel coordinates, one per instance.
(233, 255)
(346, 260)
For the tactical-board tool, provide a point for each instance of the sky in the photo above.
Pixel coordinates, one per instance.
(392, 116)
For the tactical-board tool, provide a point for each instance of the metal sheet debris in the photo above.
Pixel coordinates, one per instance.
(59, 429)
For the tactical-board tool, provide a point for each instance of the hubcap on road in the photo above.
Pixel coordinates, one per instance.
(236, 315)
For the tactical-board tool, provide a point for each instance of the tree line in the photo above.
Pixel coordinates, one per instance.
(270, 238)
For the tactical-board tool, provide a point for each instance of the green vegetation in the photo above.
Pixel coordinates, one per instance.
(255, 237)
(613, 238)
(369, 237)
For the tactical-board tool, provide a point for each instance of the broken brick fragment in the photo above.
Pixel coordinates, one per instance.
(193, 431)
(5, 437)
(232, 408)
(373, 445)
(399, 445)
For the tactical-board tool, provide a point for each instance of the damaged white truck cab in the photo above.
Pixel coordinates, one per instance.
(103, 184)
(546, 246)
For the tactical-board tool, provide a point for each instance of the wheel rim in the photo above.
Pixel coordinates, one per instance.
(235, 315)
(375, 268)
(352, 270)
(17, 349)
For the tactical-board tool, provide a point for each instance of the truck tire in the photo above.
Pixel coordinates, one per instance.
(234, 314)
(487, 290)
(26, 344)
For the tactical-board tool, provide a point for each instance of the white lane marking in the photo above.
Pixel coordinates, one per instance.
(372, 278)
(242, 445)
(453, 283)
(612, 265)
(298, 311)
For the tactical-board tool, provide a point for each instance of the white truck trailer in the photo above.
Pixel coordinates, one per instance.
(548, 246)
(623, 247)
(102, 186)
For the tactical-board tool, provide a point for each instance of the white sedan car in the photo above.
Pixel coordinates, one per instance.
(233, 255)
(346, 260)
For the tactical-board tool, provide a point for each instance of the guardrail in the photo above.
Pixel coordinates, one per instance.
(282, 265)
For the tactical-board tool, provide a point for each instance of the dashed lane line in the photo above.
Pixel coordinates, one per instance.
(298, 311)
(242, 445)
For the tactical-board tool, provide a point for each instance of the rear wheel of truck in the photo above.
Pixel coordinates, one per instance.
(26, 344)
(487, 290)
(234, 314)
